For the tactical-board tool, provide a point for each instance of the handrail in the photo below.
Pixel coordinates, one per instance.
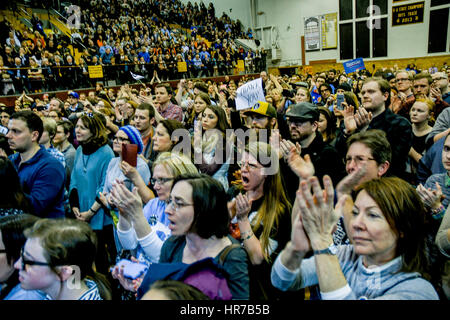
(58, 14)
(25, 12)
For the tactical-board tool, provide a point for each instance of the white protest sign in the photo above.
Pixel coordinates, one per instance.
(248, 94)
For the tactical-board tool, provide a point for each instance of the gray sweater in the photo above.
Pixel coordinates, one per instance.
(442, 123)
(363, 283)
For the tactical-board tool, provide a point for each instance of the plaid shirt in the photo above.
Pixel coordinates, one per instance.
(57, 154)
(172, 112)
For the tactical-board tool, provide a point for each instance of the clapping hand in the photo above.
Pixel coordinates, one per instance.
(128, 203)
(431, 198)
(302, 166)
(363, 118)
(349, 118)
(243, 206)
(317, 212)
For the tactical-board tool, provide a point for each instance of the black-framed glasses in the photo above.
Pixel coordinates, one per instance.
(25, 262)
(160, 181)
(178, 205)
(120, 139)
(357, 159)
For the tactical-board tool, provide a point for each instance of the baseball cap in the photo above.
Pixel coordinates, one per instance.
(74, 94)
(303, 111)
(263, 108)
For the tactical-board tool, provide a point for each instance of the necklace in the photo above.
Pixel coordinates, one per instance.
(85, 163)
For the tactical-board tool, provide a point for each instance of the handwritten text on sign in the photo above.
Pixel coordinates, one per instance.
(250, 93)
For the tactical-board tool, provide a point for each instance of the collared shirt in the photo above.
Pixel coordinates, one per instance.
(172, 112)
(58, 155)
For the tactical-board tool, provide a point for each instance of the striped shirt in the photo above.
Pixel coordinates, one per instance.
(91, 294)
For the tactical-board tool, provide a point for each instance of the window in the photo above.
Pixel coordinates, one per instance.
(345, 9)
(363, 31)
(437, 34)
(346, 41)
(435, 3)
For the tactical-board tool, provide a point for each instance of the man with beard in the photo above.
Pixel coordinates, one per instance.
(262, 116)
(318, 157)
(423, 87)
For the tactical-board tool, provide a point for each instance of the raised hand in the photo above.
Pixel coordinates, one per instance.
(363, 118)
(351, 181)
(318, 215)
(431, 198)
(128, 203)
(349, 118)
(302, 166)
(243, 206)
(129, 171)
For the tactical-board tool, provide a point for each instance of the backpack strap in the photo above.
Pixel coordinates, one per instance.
(226, 251)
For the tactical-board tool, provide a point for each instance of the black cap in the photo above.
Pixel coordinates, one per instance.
(303, 111)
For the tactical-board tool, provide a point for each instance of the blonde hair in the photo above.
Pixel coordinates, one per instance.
(176, 163)
(49, 126)
(430, 104)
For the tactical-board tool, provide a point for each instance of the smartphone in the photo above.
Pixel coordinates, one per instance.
(339, 100)
(129, 154)
(132, 270)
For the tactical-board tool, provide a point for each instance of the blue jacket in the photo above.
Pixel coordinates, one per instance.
(43, 179)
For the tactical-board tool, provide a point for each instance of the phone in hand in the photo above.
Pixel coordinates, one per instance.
(339, 100)
(132, 270)
(129, 154)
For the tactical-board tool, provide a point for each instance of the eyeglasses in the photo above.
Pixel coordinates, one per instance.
(176, 206)
(357, 159)
(243, 164)
(120, 139)
(160, 181)
(297, 123)
(26, 262)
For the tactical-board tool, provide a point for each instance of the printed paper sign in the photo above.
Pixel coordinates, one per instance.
(353, 65)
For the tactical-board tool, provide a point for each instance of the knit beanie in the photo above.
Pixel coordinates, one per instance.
(134, 136)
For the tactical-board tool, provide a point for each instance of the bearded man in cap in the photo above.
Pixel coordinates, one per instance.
(305, 152)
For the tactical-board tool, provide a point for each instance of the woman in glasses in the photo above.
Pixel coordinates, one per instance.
(199, 222)
(262, 214)
(87, 181)
(146, 229)
(58, 259)
(12, 240)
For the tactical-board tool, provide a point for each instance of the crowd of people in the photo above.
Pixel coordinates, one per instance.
(136, 40)
(334, 186)
(337, 190)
